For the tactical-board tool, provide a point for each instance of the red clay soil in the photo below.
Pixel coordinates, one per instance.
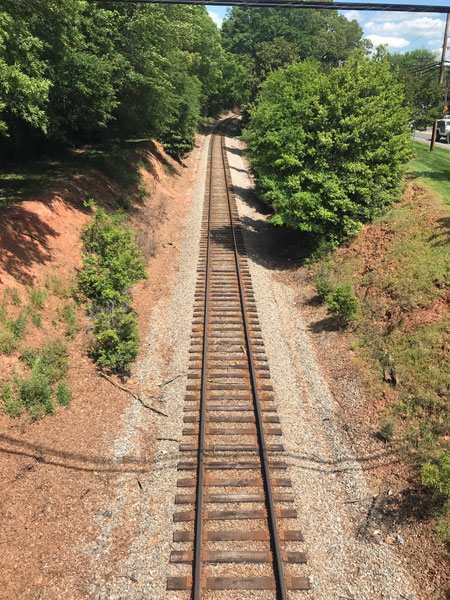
(56, 473)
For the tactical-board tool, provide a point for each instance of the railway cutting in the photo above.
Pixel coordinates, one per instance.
(234, 527)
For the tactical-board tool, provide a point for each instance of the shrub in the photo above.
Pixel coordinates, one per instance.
(17, 327)
(63, 393)
(51, 361)
(35, 394)
(13, 405)
(111, 261)
(117, 339)
(342, 303)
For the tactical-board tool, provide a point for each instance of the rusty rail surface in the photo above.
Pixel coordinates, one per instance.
(231, 411)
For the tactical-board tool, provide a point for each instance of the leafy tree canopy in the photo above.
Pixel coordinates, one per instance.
(329, 150)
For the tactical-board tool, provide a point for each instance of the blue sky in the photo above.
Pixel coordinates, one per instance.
(401, 31)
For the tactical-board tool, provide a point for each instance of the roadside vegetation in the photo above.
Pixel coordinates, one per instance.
(397, 272)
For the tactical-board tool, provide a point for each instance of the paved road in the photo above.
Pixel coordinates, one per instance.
(425, 138)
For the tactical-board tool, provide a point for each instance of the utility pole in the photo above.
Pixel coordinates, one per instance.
(441, 77)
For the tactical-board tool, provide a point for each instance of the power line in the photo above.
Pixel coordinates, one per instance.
(370, 6)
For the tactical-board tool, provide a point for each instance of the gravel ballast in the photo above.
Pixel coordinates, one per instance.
(346, 560)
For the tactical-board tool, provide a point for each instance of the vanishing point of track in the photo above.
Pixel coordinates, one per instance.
(232, 417)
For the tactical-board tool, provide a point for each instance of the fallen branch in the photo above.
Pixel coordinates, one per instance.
(124, 389)
(170, 380)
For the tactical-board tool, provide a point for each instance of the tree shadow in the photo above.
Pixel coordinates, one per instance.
(24, 239)
(442, 238)
(326, 324)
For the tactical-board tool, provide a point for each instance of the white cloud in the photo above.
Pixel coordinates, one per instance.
(218, 20)
(408, 27)
(393, 42)
(352, 15)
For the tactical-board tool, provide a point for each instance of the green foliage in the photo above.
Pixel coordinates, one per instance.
(38, 297)
(329, 150)
(8, 341)
(14, 296)
(432, 167)
(424, 96)
(36, 320)
(13, 406)
(111, 262)
(117, 339)
(63, 393)
(111, 265)
(70, 70)
(69, 313)
(35, 394)
(17, 326)
(342, 303)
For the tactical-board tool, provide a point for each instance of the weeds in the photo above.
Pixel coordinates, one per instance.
(63, 393)
(17, 326)
(35, 391)
(69, 314)
(14, 296)
(38, 298)
(36, 320)
(8, 342)
(55, 284)
(13, 406)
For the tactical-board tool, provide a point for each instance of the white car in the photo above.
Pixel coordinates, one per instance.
(443, 129)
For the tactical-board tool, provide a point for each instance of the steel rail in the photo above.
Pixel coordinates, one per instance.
(369, 6)
(196, 585)
(278, 560)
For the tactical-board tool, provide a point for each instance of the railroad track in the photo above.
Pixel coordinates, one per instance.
(236, 532)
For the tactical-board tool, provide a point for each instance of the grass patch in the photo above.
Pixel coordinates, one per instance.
(13, 295)
(8, 342)
(38, 297)
(399, 269)
(35, 390)
(55, 285)
(432, 167)
(69, 315)
(17, 326)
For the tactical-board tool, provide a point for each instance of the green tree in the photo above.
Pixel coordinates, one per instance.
(338, 39)
(329, 150)
(270, 56)
(24, 87)
(423, 94)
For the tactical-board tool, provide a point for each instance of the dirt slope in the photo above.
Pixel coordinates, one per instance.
(56, 473)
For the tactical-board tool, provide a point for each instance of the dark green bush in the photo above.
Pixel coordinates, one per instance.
(35, 394)
(342, 303)
(117, 339)
(111, 261)
(329, 150)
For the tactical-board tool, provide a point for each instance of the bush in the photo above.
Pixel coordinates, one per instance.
(329, 150)
(342, 303)
(117, 339)
(35, 394)
(111, 261)
(386, 432)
